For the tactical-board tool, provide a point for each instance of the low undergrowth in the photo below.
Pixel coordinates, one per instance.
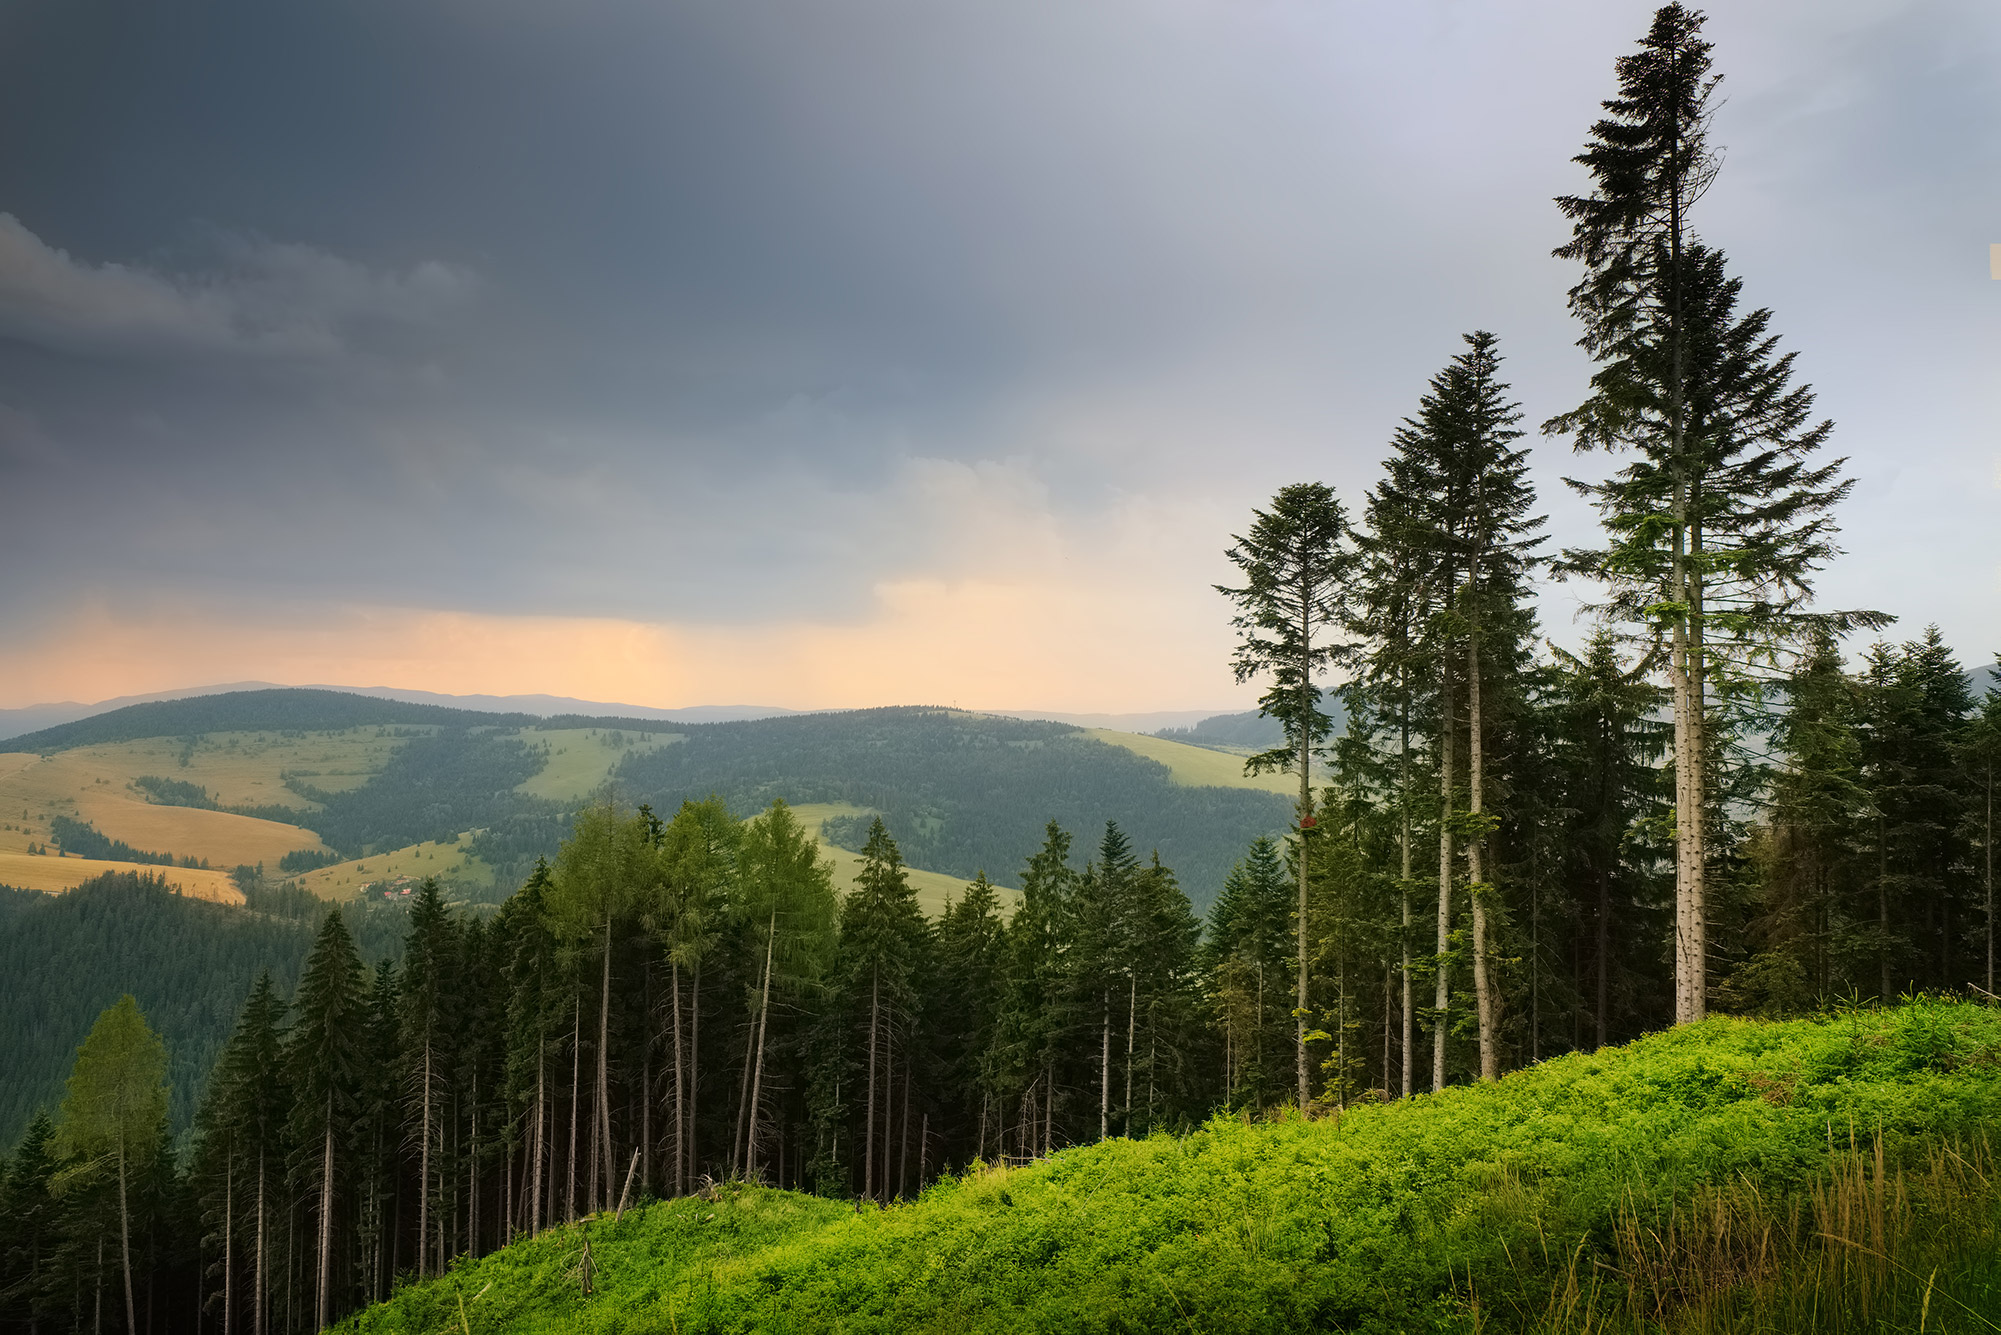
(1829, 1175)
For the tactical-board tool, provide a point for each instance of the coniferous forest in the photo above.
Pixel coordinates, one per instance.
(1726, 799)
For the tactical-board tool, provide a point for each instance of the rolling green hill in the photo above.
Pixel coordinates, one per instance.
(1731, 1175)
(367, 777)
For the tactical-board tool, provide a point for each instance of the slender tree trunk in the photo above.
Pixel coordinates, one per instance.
(540, 1156)
(1301, 1074)
(646, 1082)
(576, 1094)
(1404, 883)
(125, 1240)
(257, 1292)
(1105, 1066)
(757, 1072)
(229, 1244)
(694, 1062)
(1987, 847)
(424, 1166)
(1476, 844)
(1604, 979)
(608, 1158)
(1132, 1017)
(868, 1137)
(680, 1092)
(1442, 995)
(325, 1304)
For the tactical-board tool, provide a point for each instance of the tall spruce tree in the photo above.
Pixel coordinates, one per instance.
(1246, 949)
(30, 1220)
(429, 993)
(1715, 528)
(324, 1052)
(1297, 563)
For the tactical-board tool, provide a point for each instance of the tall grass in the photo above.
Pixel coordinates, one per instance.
(1874, 1247)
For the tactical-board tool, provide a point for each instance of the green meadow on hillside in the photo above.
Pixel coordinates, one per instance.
(1831, 1175)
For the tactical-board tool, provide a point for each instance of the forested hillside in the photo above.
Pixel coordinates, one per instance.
(64, 958)
(961, 793)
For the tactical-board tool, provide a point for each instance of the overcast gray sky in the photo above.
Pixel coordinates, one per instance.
(846, 352)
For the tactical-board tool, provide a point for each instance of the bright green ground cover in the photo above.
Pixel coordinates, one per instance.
(1394, 1217)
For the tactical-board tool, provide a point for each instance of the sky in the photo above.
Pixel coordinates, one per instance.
(830, 353)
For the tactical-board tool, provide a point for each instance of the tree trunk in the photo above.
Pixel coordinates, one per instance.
(604, 1075)
(1604, 953)
(1105, 1066)
(680, 1093)
(576, 1095)
(1300, 1072)
(229, 1244)
(424, 1168)
(1442, 996)
(125, 1240)
(694, 1062)
(1476, 844)
(757, 1072)
(1132, 1018)
(324, 1306)
(1403, 939)
(868, 1136)
(540, 1156)
(257, 1294)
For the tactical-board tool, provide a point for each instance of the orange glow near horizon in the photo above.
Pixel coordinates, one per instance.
(977, 644)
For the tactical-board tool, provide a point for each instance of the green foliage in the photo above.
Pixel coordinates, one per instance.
(1389, 1218)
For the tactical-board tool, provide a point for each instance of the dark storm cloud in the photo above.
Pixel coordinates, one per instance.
(645, 310)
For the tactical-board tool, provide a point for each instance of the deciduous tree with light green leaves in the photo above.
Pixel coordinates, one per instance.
(115, 1113)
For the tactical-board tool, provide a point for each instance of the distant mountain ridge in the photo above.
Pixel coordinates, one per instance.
(31, 719)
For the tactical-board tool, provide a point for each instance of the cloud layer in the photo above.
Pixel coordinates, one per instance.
(897, 346)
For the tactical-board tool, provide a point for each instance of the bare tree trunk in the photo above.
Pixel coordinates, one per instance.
(1300, 1072)
(576, 1092)
(1604, 953)
(604, 1076)
(1403, 940)
(757, 1072)
(1443, 994)
(680, 1092)
(229, 1244)
(424, 1168)
(257, 1294)
(1476, 843)
(125, 1240)
(1132, 1017)
(1987, 844)
(324, 1305)
(694, 1061)
(540, 1156)
(868, 1136)
(1105, 1067)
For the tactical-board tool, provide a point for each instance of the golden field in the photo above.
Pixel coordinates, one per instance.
(26, 871)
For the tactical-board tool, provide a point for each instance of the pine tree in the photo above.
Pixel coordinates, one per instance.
(534, 1006)
(1297, 563)
(30, 1219)
(1981, 757)
(323, 1058)
(1717, 526)
(1035, 1006)
(114, 1113)
(966, 1009)
(428, 992)
(1246, 948)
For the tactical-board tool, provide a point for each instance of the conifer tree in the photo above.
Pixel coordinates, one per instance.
(428, 992)
(1981, 752)
(1297, 563)
(114, 1113)
(324, 1052)
(30, 1220)
(966, 1009)
(1035, 1004)
(1716, 527)
(534, 1004)
(1246, 948)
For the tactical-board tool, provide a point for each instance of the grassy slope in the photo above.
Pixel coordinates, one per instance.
(934, 889)
(1198, 766)
(449, 862)
(1382, 1220)
(581, 760)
